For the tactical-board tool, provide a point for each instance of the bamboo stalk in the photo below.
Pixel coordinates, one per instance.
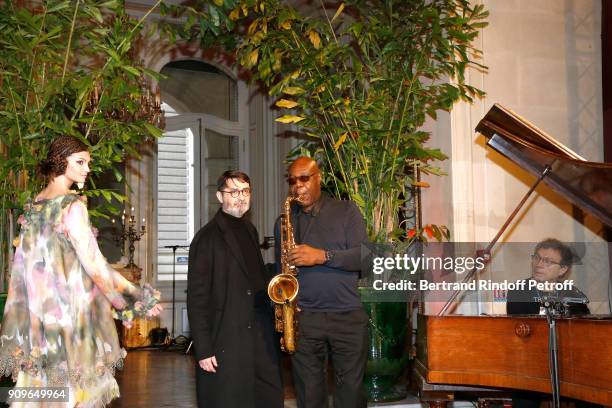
(67, 55)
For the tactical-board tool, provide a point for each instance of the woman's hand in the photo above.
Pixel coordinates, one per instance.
(155, 311)
(119, 303)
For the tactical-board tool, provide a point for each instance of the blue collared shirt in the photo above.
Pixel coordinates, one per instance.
(335, 225)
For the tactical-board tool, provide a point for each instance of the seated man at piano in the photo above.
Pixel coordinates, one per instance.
(551, 262)
(458, 353)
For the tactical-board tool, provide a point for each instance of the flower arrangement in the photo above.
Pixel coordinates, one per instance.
(138, 307)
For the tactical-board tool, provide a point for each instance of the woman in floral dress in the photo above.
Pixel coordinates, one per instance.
(58, 328)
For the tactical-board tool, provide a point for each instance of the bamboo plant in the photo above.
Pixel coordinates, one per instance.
(359, 79)
(66, 67)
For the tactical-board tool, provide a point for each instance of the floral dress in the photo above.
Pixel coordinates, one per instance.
(58, 328)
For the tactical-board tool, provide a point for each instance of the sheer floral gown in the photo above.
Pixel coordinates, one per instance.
(58, 328)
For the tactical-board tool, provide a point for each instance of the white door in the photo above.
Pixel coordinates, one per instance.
(195, 150)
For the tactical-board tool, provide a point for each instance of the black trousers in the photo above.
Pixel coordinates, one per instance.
(343, 338)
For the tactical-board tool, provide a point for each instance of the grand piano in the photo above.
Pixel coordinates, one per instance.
(488, 355)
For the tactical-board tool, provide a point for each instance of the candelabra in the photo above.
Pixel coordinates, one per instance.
(148, 103)
(130, 233)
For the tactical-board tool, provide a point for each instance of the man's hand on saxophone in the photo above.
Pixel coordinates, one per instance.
(209, 364)
(305, 255)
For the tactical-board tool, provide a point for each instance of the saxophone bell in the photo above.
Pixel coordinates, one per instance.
(283, 288)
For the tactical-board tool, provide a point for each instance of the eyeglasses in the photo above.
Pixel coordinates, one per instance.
(545, 261)
(235, 193)
(304, 179)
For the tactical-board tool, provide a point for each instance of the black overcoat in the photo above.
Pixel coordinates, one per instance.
(221, 315)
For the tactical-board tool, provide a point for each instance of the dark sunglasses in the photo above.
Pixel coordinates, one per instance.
(304, 179)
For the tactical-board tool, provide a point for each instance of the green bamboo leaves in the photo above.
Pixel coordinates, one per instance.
(359, 78)
(66, 67)
(369, 73)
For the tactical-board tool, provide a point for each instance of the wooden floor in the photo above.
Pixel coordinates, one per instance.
(156, 378)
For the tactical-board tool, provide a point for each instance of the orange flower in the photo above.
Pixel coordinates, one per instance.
(428, 231)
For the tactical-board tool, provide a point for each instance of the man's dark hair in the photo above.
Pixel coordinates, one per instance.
(567, 256)
(232, 174)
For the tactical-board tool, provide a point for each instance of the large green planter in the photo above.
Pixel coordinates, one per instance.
(387, 355)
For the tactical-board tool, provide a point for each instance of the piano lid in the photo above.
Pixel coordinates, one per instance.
(585, 184)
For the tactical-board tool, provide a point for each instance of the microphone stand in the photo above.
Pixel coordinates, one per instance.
(553, 350)
(174, 248)
(555, 306)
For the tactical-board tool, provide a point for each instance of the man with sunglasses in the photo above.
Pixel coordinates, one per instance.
(332, 324)
(231, 320)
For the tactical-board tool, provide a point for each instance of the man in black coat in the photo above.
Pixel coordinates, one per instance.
(230, 316)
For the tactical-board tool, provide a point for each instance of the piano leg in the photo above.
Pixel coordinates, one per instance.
(437, 399)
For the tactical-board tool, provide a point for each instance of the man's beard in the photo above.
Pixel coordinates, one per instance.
(237, 210)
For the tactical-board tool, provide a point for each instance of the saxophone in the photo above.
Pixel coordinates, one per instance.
(284, 287)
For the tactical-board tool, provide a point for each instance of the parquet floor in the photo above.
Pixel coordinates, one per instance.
(156, 378)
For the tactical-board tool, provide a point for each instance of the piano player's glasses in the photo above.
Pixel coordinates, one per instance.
(536, 259)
